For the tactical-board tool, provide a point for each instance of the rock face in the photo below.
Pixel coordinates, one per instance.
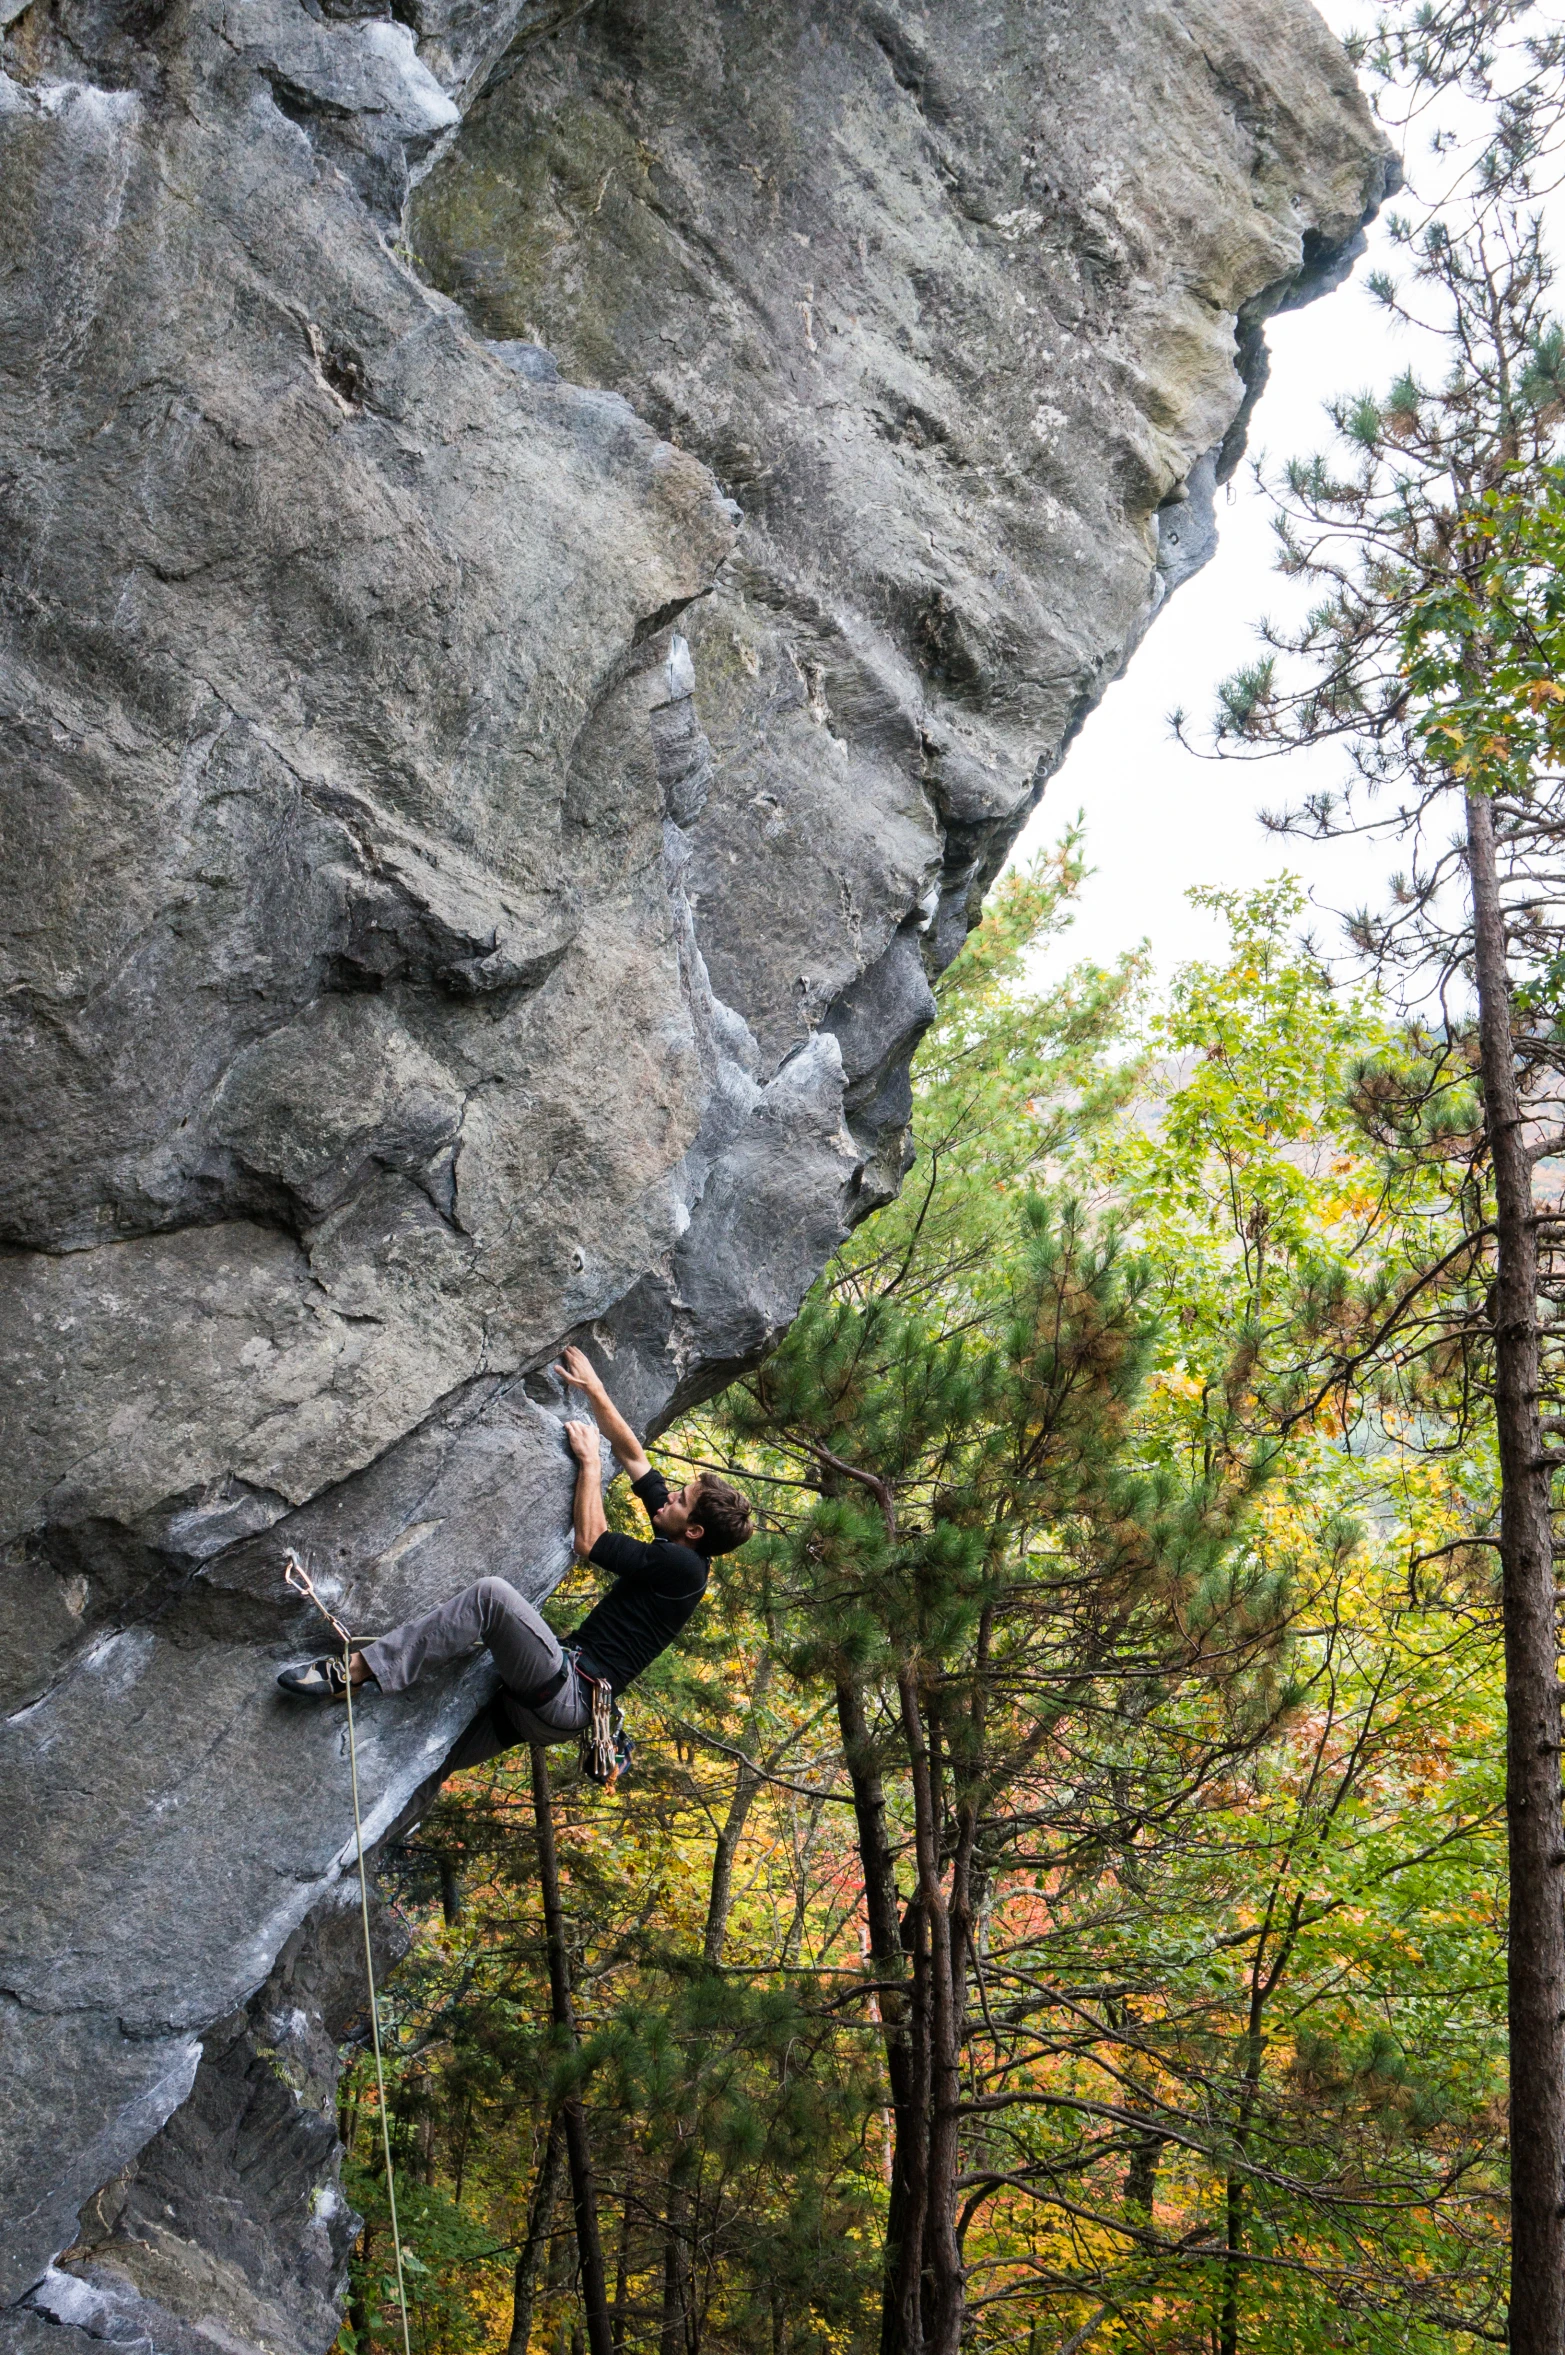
(511, 693)
(229, 2227)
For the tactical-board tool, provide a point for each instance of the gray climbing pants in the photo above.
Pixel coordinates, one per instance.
(524, 1648)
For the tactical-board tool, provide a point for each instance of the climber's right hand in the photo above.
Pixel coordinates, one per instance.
(577, 1368)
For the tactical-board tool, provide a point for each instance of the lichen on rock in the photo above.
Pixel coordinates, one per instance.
(547, 553)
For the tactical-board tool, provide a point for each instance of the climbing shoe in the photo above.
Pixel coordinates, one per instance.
(323, 1680)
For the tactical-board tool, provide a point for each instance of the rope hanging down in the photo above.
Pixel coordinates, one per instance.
(296, 1576)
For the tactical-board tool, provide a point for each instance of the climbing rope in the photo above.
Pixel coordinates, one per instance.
(296, 1576)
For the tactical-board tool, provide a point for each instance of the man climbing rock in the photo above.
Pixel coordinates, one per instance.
(549, 1687)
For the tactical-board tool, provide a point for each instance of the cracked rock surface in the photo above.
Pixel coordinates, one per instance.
(545, 554)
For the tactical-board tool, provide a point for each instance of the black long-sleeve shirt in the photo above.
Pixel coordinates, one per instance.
(657, 1584)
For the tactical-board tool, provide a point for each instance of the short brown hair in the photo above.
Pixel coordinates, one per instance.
(725, 1515)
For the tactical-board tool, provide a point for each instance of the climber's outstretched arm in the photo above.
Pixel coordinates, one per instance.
(588, 1516)
(578, 1369)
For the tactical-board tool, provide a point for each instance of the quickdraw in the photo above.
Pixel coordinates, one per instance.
(605, 1745)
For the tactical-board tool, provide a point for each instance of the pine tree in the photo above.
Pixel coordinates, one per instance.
(981, 1553)
(1431, 658)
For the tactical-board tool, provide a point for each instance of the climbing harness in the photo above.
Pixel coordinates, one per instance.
(604, 1749)
(296, 1576)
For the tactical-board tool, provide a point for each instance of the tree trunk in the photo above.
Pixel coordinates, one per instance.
(1141, 2176)
(1234, 2190)
(621, 2277)
(358, 2315)
(423, 2138)
(913, 2142)
(946, 2299)
(540, 2218)
(1146, 2148)
(674, 2336)
(450, 1891)
(594, 2296)
(1228, 2309)
(723, 1854)
(461, 2147)
(348, 2110)
(1535, 1835)
(901, 2327)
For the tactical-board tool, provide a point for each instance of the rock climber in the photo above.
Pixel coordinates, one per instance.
(548, 1687)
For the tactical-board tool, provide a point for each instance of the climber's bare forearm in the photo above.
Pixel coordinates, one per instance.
(627, 1447)
(589, 1516)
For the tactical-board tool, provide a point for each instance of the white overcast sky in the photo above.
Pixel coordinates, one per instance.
(1159, 819)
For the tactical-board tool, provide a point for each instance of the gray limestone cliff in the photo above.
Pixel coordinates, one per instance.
(545, 554)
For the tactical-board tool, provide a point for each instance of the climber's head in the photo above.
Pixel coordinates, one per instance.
(706, 1514)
